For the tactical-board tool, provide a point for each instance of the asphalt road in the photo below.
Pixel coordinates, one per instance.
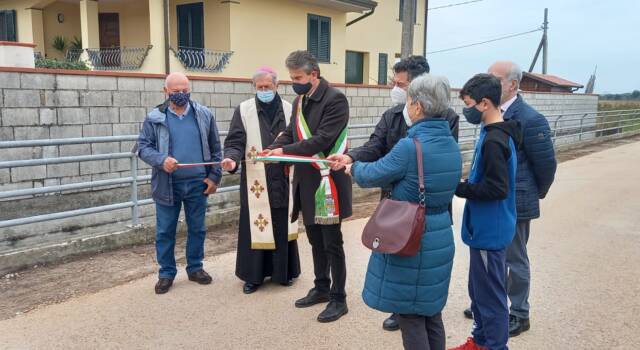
(585, 255)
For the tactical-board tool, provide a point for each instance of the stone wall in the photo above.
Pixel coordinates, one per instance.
(42, 105)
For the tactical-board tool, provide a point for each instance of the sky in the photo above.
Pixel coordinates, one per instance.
(582, 34)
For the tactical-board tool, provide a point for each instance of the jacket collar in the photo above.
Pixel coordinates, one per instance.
(513, 109)
(320, 90)
(159, 114)
(435, 124)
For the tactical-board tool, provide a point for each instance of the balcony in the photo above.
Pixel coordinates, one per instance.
(202, 60)
(118, 58)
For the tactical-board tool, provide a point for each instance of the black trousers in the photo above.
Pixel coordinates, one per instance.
(422, 332)
(328, 260)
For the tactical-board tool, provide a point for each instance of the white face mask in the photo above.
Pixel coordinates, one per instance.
(405, 114)
(398, 95)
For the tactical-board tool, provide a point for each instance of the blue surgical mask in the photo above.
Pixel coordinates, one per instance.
(472, 114)
(266, 96)
(180, 99)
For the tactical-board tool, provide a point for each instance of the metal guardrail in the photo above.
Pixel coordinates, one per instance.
(120, 58)
(202, 60)
(577, 125)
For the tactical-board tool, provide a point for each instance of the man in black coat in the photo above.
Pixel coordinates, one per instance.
(282, 262)
(326, 112)
(392, 127)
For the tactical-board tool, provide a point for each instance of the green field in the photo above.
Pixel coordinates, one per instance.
(623, 121)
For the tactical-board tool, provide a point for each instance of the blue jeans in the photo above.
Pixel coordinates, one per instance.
(191, 193)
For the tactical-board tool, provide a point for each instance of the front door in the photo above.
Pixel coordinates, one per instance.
(109, 25)
(191, 34)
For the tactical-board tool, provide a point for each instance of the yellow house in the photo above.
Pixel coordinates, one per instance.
(356, 41)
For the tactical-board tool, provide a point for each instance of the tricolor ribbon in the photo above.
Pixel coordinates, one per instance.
(327, 206)
(292, 159)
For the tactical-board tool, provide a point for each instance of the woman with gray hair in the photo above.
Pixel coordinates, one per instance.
(416, 287)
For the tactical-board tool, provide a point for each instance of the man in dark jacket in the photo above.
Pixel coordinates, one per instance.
(318, 128)
(536, 171)
(180, 131)
(391, 128)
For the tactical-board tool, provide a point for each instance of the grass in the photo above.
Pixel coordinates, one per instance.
(625, 124)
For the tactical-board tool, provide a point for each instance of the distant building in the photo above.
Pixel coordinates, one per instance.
(547, 83)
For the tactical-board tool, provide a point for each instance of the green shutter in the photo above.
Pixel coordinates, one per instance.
(312, 35)
(324, 46)
(354, 72)
(8, 25)
(319, 37)
(382, 69)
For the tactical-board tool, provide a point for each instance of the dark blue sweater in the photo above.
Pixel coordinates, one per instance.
(185, 145)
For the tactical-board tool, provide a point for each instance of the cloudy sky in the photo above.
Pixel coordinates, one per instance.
(582, 34)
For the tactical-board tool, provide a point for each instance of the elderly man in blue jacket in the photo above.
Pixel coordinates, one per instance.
(180, 132)
(536, 170)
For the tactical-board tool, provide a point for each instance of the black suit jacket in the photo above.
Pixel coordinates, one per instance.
(327, 113)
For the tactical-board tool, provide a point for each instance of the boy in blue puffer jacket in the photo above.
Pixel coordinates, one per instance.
(489, 219)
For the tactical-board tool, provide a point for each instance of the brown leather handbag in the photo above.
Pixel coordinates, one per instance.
(396, 227)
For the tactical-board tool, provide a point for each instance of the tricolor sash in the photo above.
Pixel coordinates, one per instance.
(327, 202)
(259, 208)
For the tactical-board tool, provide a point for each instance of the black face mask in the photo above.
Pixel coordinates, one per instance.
(302, 89)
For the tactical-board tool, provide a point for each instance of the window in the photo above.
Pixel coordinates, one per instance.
(8, 25)
(191, 25)
(415, 10)
(319, 37)
(382, 68)
(354, 68)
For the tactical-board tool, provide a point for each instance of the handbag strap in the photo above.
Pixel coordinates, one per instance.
(421, 195)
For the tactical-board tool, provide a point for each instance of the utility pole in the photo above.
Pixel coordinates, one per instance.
(542, 46)
(544, 40)
(426, 15)
(406, 46)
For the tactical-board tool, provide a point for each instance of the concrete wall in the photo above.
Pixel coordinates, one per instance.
(42, 105)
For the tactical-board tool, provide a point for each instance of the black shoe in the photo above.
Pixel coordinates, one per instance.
(333, 312)
(312, 298)
(200, 276)
(163, 285)
(468, 313)
(288, 283)
(250, 288)
(518, 325)
(391, 323)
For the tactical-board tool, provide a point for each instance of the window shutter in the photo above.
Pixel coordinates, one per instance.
(382, 69)
(8, 25)
(319, 37)
(312, 35)
(324, 47)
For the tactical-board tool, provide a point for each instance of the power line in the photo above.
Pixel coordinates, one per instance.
(486, 41)
(452, 5)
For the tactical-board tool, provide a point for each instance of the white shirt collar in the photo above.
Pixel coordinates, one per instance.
(180, 116)
(505, 106)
